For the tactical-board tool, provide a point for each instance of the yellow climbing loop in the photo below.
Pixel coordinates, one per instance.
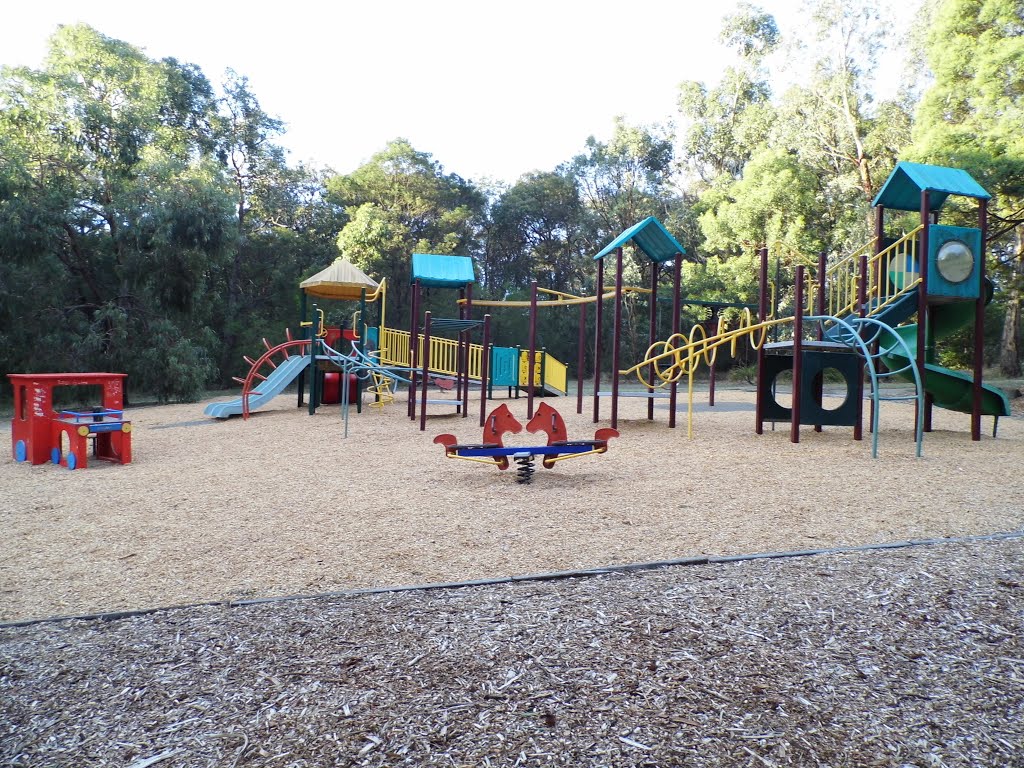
(680, 355)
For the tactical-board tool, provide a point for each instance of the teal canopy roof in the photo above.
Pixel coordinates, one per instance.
(442, 271)
(902, 190)
(650, 237)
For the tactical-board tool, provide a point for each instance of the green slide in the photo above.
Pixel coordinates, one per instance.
(949, 389)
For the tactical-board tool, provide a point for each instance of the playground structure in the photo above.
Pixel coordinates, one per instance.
(857, 309)
(416, 357)
(850, 321)
(492, 450)
(40, 434)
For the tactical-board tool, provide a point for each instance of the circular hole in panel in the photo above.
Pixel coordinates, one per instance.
(782, 386)
(831, 381)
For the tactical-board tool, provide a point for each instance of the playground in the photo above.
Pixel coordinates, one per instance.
(278, 579)
(282, 504)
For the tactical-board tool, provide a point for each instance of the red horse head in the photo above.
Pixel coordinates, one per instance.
(499, 422)
(548, 420)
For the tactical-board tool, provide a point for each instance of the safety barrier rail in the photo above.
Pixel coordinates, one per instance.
(394, 350)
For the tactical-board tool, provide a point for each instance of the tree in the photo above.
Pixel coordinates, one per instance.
(403, 202)
(726, 124)
(536, 232)
(93, 148)
(970, 118)
(626, 179)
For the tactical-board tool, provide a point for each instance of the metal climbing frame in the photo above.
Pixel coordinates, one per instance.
(862, 334)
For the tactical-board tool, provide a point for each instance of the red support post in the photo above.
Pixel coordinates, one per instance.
(651, 333)
(858, 390)
(798, 330)
(979, 326)
(426, 368)
(819, 387)
(762, 316)
(532, 354)
(616, 338)
(464, 361)
(581, 357)
(485, 368)
(598, 317)
(922, 308)
(711, 366)
(677, 272)
(413, 346)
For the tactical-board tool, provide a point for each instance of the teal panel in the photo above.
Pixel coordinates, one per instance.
(970, 287)
(650, 237)
(442, 271)
(505, 366)
(902, 190)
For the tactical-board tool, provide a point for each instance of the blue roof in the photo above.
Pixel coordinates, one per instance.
(442, 271)
(650, 237)
(902, 190)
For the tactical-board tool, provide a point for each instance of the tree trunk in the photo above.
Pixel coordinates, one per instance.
(1010, 351)
(1009, 347)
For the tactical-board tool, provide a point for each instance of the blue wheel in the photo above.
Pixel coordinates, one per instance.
(20, 451)
(72, 461)
(55, 455)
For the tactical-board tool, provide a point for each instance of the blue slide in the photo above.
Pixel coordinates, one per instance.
(274, 385)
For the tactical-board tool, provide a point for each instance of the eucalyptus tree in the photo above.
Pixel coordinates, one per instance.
(834, 121)
(402, 202)
(727, 123)
(624, 180)
(971, 117)
(94, 146)
(537, 231)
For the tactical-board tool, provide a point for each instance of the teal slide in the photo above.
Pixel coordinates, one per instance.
(268, 389)
(949, 389)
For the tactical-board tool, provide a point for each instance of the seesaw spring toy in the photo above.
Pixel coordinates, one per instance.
(501, 422)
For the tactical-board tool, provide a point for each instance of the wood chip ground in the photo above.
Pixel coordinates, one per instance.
(894, 658)
(909, 657)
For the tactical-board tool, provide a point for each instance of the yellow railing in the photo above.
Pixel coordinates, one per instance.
(394, 350)
(556, 373)
(890, 277)
(841, 283)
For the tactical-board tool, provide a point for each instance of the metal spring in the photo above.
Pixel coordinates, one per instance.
(525, 469)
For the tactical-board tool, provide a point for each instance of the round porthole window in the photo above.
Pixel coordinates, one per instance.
(955, 261)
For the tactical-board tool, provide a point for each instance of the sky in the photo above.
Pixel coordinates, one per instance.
(491, 89)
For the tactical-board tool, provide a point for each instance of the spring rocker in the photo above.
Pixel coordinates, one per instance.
(500, 422)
